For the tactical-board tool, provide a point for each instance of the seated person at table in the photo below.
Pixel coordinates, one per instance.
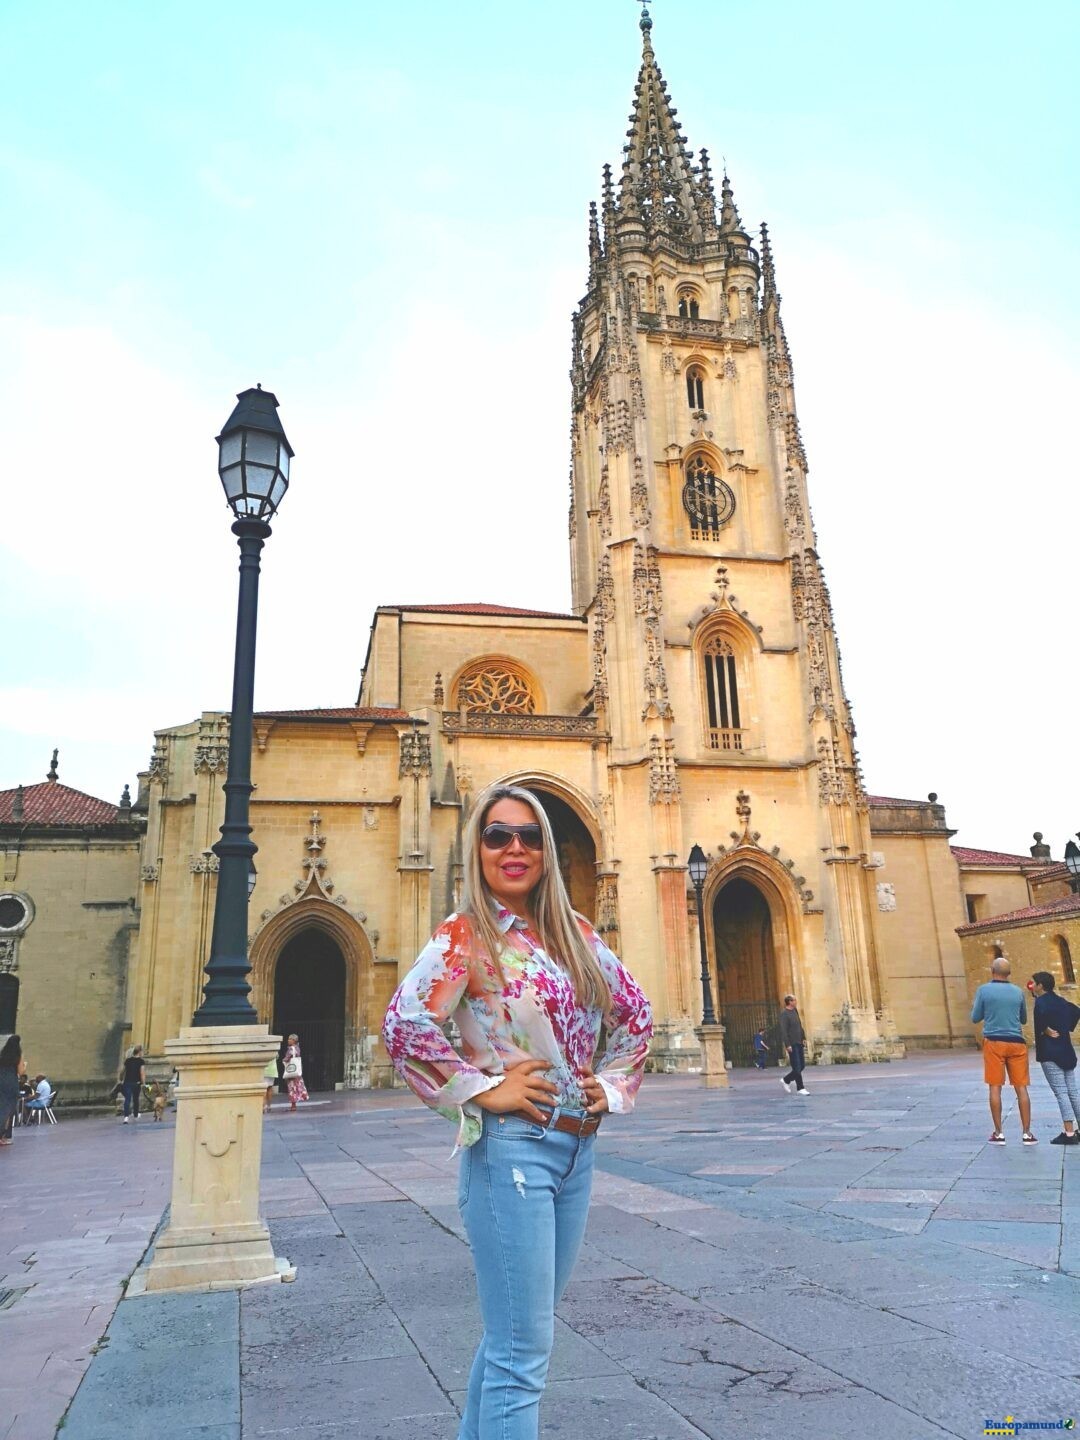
(42, 1094)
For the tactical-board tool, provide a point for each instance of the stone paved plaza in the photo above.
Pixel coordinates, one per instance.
(857, 1263)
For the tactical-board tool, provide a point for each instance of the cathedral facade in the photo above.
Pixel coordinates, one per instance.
(691, 693)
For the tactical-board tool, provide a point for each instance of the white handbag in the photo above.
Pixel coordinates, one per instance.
(293, 1068)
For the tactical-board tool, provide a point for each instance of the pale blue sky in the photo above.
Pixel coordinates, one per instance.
(379, 212)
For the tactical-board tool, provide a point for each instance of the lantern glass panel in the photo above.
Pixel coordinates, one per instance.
(230, 448)
(233, 480)
(262, 448)
(259, 480)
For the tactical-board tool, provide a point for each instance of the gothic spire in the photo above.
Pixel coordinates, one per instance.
(658, 180)
(730, 224)
(771, 320)
(768, 271)
(596, 249)
(608, 202)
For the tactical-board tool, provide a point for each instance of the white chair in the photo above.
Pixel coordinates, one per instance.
(36, 1109)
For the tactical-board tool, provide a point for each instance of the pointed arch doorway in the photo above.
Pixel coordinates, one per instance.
(745, 952)
(309, 999)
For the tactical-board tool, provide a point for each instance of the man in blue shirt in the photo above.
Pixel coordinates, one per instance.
(1002, 1008)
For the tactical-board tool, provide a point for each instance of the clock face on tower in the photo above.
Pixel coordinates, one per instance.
(707, 500)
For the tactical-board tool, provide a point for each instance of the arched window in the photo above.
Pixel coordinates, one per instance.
(9, 1003)
(708, 501)
(495, 687)
(695, 387)
(723, 717)
(1065, 960)
(689, 306)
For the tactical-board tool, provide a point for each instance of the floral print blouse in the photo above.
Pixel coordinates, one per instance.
(536, 1016)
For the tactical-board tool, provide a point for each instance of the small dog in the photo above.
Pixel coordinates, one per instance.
(160, 1099)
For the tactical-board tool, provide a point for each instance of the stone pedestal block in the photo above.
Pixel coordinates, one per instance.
(674, 1050)
(714, 1073)
(215, 1238)
(856, 1035)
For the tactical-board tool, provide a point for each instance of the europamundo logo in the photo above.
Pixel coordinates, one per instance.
(1012, 1426)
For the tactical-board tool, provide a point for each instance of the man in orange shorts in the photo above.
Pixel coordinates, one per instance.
(1002, 1008)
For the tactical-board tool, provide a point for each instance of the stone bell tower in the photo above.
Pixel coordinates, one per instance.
(715, 669)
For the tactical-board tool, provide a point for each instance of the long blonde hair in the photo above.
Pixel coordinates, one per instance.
(556, 923)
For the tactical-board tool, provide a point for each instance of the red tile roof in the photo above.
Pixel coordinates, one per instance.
(481, 608)
(1068, 905)
(51, 803)
(986, 859)
(338, 712)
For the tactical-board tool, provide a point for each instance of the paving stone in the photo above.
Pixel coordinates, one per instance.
(1038, 1334)
(849, 1414)
(317, 1332)
(352, 1392)
(954, 1384)
(810, 1320)
(176, 1384)
(1016, 1240)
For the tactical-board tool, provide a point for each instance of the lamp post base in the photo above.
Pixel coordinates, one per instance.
(714, 1075)
(215, 1238)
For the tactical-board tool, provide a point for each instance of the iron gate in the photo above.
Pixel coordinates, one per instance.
(741, 1023)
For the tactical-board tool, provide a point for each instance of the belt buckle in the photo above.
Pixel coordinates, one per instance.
(586, 1119)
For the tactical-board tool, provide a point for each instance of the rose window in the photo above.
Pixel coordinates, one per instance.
(495, 690)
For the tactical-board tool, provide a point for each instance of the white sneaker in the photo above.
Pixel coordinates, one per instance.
(126, 1119)
(785, 1087)
(802, 1092)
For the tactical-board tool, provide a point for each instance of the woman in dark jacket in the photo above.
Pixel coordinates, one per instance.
(12, 1066)
(1055, 1020)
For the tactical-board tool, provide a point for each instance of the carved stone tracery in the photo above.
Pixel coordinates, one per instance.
(495, 688)
(212, 748)
(415, 754)
(663, 771)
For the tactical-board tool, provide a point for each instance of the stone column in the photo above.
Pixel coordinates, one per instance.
(714, 1075)
(215, 1239)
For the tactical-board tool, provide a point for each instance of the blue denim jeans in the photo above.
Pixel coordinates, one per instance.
(523, 1193)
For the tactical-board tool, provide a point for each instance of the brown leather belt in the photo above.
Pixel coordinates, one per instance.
(568, 1124)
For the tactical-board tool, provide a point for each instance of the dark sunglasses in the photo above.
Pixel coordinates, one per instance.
(498, 837)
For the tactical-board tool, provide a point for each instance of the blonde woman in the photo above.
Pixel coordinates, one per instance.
(293, 1070)
(529, 984)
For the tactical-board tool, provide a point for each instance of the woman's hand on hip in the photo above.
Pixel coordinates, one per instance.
(595, 1094)
(522, 1089)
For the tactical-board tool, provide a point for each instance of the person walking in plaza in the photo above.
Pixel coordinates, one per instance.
(1055, 1019)
(529, 983)
(133, 1081)
(293, 1072)
(1002, 1008)
(761, 1050)
(270, 1076)
(793, 1039)
(12, 1070)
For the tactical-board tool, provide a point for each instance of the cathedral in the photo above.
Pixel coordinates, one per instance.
(691, 693)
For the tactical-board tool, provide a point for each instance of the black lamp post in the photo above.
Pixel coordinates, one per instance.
(698, 866)
(253, 463)
(1072, 861)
